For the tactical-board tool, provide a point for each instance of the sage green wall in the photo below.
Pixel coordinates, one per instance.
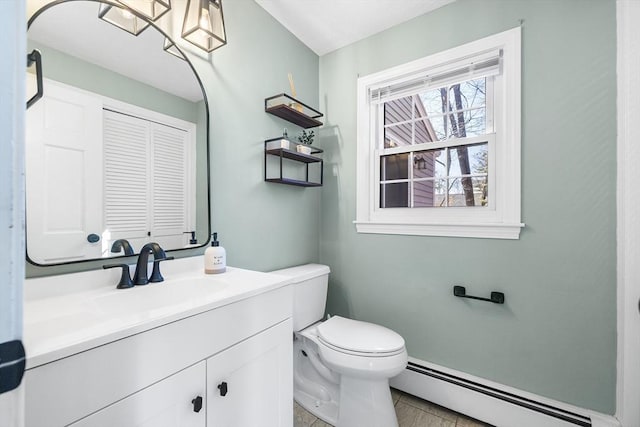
(263, 226)
(556, 334)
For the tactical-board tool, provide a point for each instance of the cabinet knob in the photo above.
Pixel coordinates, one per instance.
(223, 388)
(197, 404)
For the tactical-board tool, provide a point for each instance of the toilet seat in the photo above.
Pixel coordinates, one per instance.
(359, 338)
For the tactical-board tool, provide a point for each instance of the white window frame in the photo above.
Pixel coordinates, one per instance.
(501, 219)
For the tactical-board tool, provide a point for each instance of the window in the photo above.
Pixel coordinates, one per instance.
(439, 143)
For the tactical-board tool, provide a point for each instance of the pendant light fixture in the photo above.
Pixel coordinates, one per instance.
(203, 24)
(122, 18)
(151, 9)
(170, 46)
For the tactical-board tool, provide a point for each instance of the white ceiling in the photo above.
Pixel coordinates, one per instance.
(327, 25)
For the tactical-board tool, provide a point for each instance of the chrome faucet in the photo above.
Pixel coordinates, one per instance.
(124, 245)
(140, 277)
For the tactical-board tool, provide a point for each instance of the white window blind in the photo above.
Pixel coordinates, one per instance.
(481, 65)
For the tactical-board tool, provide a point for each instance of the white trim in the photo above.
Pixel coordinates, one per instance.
(501, 219)
(13, 45)
(484, 407)
(628, 226)
(496, 231)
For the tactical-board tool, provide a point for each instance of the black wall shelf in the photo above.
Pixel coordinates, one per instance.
(284, 153)
(292, 110)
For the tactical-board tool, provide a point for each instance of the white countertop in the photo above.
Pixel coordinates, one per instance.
(67, 314)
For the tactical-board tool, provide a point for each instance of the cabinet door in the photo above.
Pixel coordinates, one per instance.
(251, 383)
(168, 403)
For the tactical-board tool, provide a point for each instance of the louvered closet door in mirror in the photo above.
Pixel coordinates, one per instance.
(146, 194)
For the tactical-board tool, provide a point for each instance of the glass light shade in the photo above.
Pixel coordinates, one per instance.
(122, 18)
(203, 24)
(152, 9)
(170, 47)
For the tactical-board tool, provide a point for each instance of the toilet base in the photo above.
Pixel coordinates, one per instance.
(327, 411)
(366, 403)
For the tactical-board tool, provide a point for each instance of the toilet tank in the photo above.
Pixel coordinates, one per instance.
(310, 283)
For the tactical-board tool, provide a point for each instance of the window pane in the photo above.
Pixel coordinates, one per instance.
(398, 110)
(455, 192)
(481, 191)
(424, 194)
(429, 129)
(467, 95)
(440, 188)
(429, 164)
(397, 135)
(394, 166)
(475, 122)
(432, 103)
(469, 159)
(479, 158)
(468, 191)
(394, 195)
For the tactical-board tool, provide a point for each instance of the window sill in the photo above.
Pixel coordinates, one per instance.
(481, 231)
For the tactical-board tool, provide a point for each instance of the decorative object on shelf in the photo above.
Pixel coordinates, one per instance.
(306, 138)
(203, 24)
(281, 148)
(304, 149)
(294, 105)
(280, 105)
(123, 18)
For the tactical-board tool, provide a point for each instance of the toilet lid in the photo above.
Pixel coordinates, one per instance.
(361, 337)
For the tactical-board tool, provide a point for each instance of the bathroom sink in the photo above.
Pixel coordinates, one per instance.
(158, 298)
(70, 313)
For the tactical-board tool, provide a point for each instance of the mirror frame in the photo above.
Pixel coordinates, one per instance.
(207, 128)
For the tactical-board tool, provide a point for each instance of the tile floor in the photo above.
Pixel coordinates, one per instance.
(412, 412)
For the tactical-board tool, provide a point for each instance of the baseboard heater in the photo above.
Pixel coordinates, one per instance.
(542, 408)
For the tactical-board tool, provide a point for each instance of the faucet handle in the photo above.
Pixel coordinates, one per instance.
(125, 279)
(155, 273)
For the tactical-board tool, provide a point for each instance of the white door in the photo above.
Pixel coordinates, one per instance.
(12, 105)
(64, 175)
(177, 401)
(251, 384)
(628, 250)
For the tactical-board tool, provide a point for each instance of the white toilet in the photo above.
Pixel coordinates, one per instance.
(341, 366)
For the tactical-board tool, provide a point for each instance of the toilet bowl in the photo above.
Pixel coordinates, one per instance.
(341, 366)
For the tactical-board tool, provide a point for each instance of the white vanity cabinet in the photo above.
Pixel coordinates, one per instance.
(246, 383)
(153, 377)
(169, 403)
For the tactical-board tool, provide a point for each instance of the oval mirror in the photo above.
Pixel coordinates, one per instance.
(117, 148)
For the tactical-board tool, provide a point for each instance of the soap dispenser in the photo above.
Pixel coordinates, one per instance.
(215, 257)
